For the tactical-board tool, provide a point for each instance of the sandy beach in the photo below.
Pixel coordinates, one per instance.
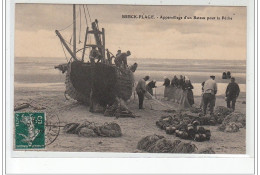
(133, 129)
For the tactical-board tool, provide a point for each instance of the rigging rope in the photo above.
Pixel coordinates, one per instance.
(64, 51)
(85, 16)
(79, 24)
(69, 24)
(88, 13)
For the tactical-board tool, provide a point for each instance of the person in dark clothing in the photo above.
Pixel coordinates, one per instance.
(232, 92)
(228, 75)
(109, 57)
(167, 82)
(118, 52)
(133, 67)
(224, 75)
(121, 59)
(150, 86)
(140, 90)
(190, 96)
(181, 82)
(94, 54)
(174, 81)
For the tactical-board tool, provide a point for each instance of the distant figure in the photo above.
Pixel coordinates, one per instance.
(94, 54)
(210, 90)
(174, 81)
(232, 92)
(228, 75)
(190, 92)
(140, 90)
(133, 67)
(150, 86)
(121, 59)
(224, 75)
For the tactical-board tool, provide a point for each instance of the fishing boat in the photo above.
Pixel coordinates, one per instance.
(99, 82)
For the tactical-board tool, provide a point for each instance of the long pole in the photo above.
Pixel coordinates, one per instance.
(66, 45)
(74, 29)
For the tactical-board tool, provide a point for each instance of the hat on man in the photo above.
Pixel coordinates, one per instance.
(212, 76)
(146, 77)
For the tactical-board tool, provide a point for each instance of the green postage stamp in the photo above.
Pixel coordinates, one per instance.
(29, 130)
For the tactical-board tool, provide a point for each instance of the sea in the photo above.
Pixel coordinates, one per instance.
(39, 74)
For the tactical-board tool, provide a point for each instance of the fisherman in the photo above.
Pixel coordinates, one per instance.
(118, 52)
(94, 54)
(209, 96)
(133, 67)
(117, 63)
(140, 90)
(121, 59)
(232, 92)
(109, 57)
(150, 86)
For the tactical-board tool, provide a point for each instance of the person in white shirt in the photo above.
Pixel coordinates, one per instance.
(141, 89)
(210, 90)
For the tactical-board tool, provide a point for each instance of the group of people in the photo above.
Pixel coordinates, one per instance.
(120, 59)
(180, 90)
(226, 75)
(209, 91)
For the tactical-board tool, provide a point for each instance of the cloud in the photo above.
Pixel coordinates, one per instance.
(180, 39)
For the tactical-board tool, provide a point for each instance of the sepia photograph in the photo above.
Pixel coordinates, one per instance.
(130, 78)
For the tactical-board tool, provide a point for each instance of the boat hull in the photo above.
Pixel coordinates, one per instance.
(109, 82)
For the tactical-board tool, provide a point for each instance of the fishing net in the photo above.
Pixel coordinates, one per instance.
(147, 141)
(109, 130)
(91, 129)
(119, 109)
(206, 151)
(159, 144)
(233, 122)
(220, 113)
(185, 126)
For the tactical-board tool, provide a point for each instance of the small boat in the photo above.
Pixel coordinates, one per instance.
(98, 82)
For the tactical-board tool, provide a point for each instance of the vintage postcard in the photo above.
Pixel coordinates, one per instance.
(130, 78)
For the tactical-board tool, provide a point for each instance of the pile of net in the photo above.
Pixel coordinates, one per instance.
(233, 122)
(91, 129)
(118, 109)
(159, 144)
(185, 128)
(221, 112)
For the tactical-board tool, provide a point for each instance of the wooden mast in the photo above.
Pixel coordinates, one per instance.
(74, 29)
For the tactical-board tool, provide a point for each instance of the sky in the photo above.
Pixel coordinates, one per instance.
(35, 26)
